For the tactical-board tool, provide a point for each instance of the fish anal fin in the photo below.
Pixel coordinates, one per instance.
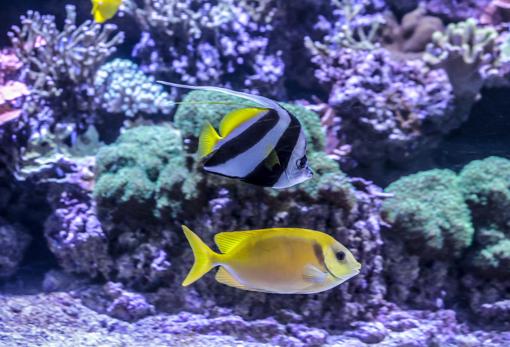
(207, 140)
(224, 277)
(228, 240)
(272, 160)
(313, 274)
(237, 117)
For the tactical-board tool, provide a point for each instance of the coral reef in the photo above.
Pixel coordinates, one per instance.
(428, 212)
(450, 230)
(148, 249)
(14, 241)
(155, 178)
(98, 172)
(486, 188)
(223, 43)
(386, 110)
(61, 319)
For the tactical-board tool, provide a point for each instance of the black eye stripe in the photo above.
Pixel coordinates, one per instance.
(317, 249)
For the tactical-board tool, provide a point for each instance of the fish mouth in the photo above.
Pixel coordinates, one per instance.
(354, 272)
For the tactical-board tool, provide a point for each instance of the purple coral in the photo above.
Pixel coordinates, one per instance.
(75, 235)
(386, 109)
(224, 43)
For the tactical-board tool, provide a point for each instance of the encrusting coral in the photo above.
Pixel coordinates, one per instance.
(453, 231)
(429, 213)
(486, 188)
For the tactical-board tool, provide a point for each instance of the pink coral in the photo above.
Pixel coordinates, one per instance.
(10, 90)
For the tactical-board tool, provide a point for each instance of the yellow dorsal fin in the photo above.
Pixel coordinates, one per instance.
(236, 118)
(272, 160)
(223, 276)
(228, 240)
(207, 140)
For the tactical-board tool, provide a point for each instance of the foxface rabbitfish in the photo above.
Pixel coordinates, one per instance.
(263, 145)
(277, 260)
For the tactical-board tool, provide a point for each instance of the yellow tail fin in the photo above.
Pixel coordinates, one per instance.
(204, 257)
(207, 140)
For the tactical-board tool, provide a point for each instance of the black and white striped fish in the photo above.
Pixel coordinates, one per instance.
(264, 145)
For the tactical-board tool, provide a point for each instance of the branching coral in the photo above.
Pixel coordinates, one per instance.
(466, 51)
(60, 65)
(121, 87)
(352, 27)
(202, 43)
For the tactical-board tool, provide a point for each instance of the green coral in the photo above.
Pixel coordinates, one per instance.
(145, 170)
(494, 259)
(200, 106)
(438, 210)
(486, 188)
(428, 211)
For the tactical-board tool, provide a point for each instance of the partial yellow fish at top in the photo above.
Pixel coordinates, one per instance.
(277, 260)
(102, 10)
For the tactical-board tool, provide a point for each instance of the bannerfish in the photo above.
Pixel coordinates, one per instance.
(263, 145)
(102, 10)
(277, 260)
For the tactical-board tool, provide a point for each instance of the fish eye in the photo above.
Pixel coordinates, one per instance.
(301, 163)
(340, 256)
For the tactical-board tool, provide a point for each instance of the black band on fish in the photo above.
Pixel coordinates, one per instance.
(264, 176)
(244, 141)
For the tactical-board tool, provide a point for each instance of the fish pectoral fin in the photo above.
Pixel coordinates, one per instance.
(313, 274)
(272, 160)
(224, 277)
(228, 240)
(237, 117)
(207, 140)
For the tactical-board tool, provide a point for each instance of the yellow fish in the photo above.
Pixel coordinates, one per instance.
(277, 260)
(104, 9)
